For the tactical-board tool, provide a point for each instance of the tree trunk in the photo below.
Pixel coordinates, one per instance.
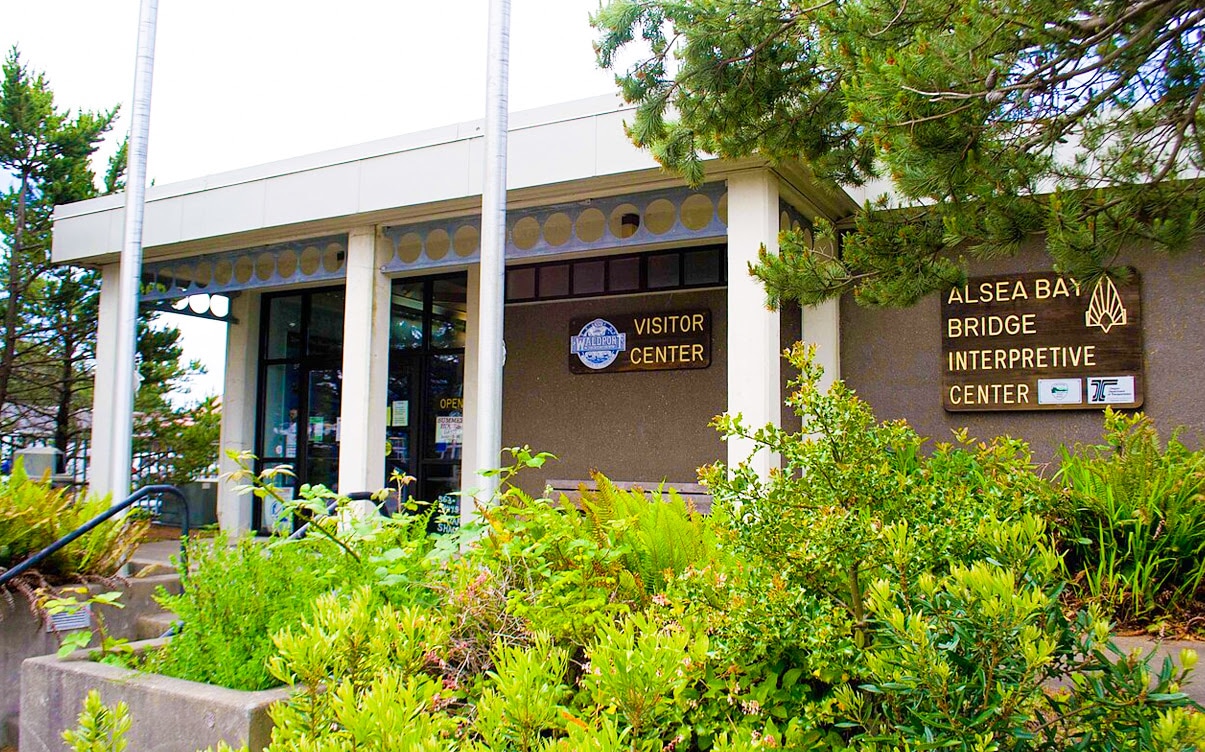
(62, 418)
(12, 311)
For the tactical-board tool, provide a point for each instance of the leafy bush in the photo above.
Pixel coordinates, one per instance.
(1134, 521)
(101, 728)
(33, 515)
(968, 658)
(823, 522)
(235, 598)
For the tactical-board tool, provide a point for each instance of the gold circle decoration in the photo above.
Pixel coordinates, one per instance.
(590, 225)
(223, 272)
(204, 274)
(438, 244)
(624, 221)
(409, 247)
(244, 267)
(526, 233)
(466, 240)
(697, 212)
(286, 263)
(659, 216)
(265, 266)
(311, 257)
(558, 228)
(332, 259)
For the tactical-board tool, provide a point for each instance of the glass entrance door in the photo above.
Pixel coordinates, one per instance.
(425, 400)
(300, 394)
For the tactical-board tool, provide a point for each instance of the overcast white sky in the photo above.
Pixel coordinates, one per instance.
(241, 82)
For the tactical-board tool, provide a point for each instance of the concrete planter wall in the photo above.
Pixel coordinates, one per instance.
(23, 635)
(168, 715)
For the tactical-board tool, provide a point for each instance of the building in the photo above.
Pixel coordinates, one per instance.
(631, 320)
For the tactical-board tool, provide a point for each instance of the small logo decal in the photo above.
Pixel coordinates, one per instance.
(1105, 309)
(598, 344)
(1060, 391)
(1110, 390)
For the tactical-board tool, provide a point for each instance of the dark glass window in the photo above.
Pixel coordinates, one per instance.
(326, 325)
(616, 275)
(554, 281)
(406, 319)
(663, 271)
(701, 267)
(589, 277)
(284, 327)
(521, 283)
(624, 274)
(449, 312)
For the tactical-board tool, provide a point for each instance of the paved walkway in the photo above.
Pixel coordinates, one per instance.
(1157, 651)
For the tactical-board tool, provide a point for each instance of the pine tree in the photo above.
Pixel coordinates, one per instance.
(997, 122)
(44, 312)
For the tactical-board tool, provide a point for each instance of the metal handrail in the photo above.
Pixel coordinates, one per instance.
(139, 495)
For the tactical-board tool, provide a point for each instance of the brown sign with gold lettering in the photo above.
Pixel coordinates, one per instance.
(1042, 342)
(640, 342)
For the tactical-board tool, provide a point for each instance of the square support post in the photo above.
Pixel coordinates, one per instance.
(753, 330)
(365, 366)
(238, 406)
(100, 446)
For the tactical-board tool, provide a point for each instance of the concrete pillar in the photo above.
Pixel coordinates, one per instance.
(822, 328)
(469, 482)
(753, 341)
(238, 407)
(365, 366)
(99, 451)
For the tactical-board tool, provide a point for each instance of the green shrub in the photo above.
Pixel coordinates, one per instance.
(358, 665)
(235, 598)
(821, 522)
(33, 515)
(566, 573)
(1134, 521)
(966, 659)
(101, 728)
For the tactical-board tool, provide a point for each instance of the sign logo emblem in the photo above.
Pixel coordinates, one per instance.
(598, 344)
(1105, 309)
(1060, 391)
(1111, 390)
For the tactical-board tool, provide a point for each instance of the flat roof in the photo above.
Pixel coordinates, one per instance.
(397, 179)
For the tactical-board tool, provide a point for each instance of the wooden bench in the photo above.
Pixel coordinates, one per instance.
(691, 493)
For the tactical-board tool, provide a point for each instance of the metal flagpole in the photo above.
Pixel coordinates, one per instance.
(493, 249)
(131, 256)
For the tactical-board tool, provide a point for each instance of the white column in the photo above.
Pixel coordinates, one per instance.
(365, 366)
(753, 344)
(238, 407)
(822, 328)
(470, 482)
(100, 457)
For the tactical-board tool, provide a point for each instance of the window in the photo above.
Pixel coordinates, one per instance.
(618, 275)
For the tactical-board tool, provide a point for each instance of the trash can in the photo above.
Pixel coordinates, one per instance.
(40, 461)
(201, 496)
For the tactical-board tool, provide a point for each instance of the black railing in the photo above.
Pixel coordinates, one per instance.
(132, 499)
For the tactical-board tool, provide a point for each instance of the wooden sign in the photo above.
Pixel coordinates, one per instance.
(640, 342)
(1042, 342)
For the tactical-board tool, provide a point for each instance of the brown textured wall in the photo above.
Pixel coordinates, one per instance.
(893, 359)
(636, 426)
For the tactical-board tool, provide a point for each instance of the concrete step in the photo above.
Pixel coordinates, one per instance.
(151, 626)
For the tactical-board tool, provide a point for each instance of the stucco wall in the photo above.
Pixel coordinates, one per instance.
(637, 426)
(893, 359)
